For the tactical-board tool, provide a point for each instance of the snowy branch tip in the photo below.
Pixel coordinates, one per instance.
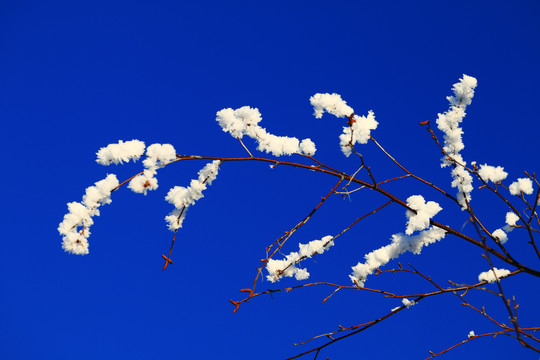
(245, 120)
(359, 127)
(287, 267)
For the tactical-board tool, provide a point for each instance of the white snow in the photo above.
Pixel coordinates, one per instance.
(449, 124)
(489, 276)
(183, 197)
(75, 228)
(287, 267)
(120, 152)
(491, 173)
(521, 185)
(399, 245)
(424, 212)
(245, 120)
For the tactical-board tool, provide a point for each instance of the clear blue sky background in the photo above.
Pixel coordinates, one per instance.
(76, 76)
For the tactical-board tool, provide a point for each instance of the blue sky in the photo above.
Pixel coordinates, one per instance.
(76, 76)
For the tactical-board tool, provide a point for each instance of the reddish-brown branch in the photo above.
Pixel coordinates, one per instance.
(495, 333)
(344, 176)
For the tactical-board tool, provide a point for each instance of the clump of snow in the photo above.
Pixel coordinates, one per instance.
(501, 235)
(407, 302)
(424, 212)
(332, 104)
(182, 198)
(245, 120)
(120, 152)
(521, 185)
(358, 132)
(308, 147)
(489, 275)
(144, 182)
(511, 220)
(157, 156)
(463, 182)
(471, 334)
(491, 173)
(75, 228)
(399, 245)
(287, 267)
(449, 124)
(359, 129)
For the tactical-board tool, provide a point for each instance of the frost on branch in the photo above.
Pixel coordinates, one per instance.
(489, 275)
(332, 104)
(511, 220)
(399, 245)
(359, 129)
(80, 215)
(358, 132)
(245, 120)
(403, 243)
(491, 173)
(521, 185)
(449, 123)
(118, 153)
(182, 197)
(501, 235)
(157, 156)
(287, 267)
(408, 303)
(424, 212)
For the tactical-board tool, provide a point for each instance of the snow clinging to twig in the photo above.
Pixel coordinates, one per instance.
(424, 212)
(75, 228)
(359, 127)
(489, 276)
(245, 120)
(120, 152)
(521, 185)
(399, 245)
(491, 173)
(183, 197)
(157, 156)
(332, 104)
(449, 124)
(287, 267)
